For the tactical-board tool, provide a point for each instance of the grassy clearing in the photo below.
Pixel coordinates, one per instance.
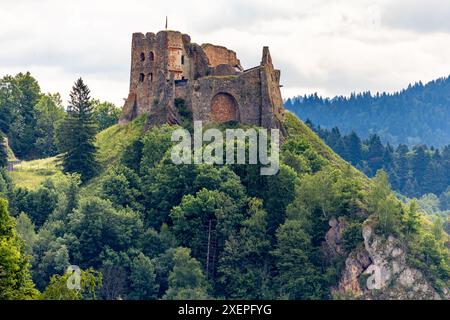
(110, 142)
(30, 174)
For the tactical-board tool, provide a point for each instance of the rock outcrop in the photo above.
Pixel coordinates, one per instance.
(379, 270)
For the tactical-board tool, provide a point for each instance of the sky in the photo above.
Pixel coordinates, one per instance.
(329, 47)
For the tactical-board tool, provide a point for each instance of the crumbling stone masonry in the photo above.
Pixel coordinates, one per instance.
(168, 70)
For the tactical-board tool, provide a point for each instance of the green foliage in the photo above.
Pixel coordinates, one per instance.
(143, 279)
(90, 283)
(113, 143)
(413, 172)
(185, 114)
(18, 98)
(15, 278)
(122, 186)
(383, 204)
(243, 235)
(26, 230)
(155, 144)
(297, 277)
(97, 225)
(244, 264)
(352, 236)
(76, 134)
(3, 152)
(106, 114)
(49, 113)
(186, 280)
(202, 215)
(38, 204)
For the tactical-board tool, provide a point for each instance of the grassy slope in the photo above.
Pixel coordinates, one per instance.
(295, 126)
(30, 174)
(110, 142)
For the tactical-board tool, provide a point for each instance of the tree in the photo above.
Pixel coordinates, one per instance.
(3, 152)
(383, 204)
(186, 280)
(25, 229)
(142, 279)
(15, 278)
(411, 219)
(37, 204)
(90, 284)
(353, 148)
(96, 225)
(297, 278)
(203, 222)
(76, 134)
(18, 98)
(49, 112)
(122, 186)
(244, 265)
(106, 114)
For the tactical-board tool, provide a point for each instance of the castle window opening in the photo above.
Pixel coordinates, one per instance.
(152, 56)
(182, 59)
(150, 77)
(142, 56)
(141, 77)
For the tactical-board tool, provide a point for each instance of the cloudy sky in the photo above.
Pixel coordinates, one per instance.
(329, 47)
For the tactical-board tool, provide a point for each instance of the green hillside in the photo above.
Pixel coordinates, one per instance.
(293, 235)
(110, 142)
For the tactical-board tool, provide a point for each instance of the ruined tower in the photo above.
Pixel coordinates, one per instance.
(168, 71)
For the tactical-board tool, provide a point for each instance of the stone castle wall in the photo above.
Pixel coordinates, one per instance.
(209, 79)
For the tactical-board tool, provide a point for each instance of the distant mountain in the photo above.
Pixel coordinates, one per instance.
(419, 114)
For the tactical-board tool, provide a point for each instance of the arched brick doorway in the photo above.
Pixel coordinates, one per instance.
(224, 108)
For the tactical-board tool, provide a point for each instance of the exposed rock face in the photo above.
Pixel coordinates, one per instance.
(209, 79)
(356, 263)
(379, 271)
(333, 238)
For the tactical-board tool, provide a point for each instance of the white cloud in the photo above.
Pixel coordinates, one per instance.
(332, 47)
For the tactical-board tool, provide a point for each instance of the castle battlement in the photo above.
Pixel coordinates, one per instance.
(167, 70)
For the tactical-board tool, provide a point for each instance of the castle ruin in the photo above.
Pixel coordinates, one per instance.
(170, 74)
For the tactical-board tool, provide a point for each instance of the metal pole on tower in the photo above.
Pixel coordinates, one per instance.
(166, 22)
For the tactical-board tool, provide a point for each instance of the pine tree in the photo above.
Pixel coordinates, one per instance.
(77, 133)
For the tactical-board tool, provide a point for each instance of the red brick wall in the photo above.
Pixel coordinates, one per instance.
(223, 108)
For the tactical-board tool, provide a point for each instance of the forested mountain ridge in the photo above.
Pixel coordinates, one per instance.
(419, 114)
(140, 228)
(413, 172)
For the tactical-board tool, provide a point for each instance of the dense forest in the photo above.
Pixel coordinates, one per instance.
(413, 172)
(141, 227)
(419, 114)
